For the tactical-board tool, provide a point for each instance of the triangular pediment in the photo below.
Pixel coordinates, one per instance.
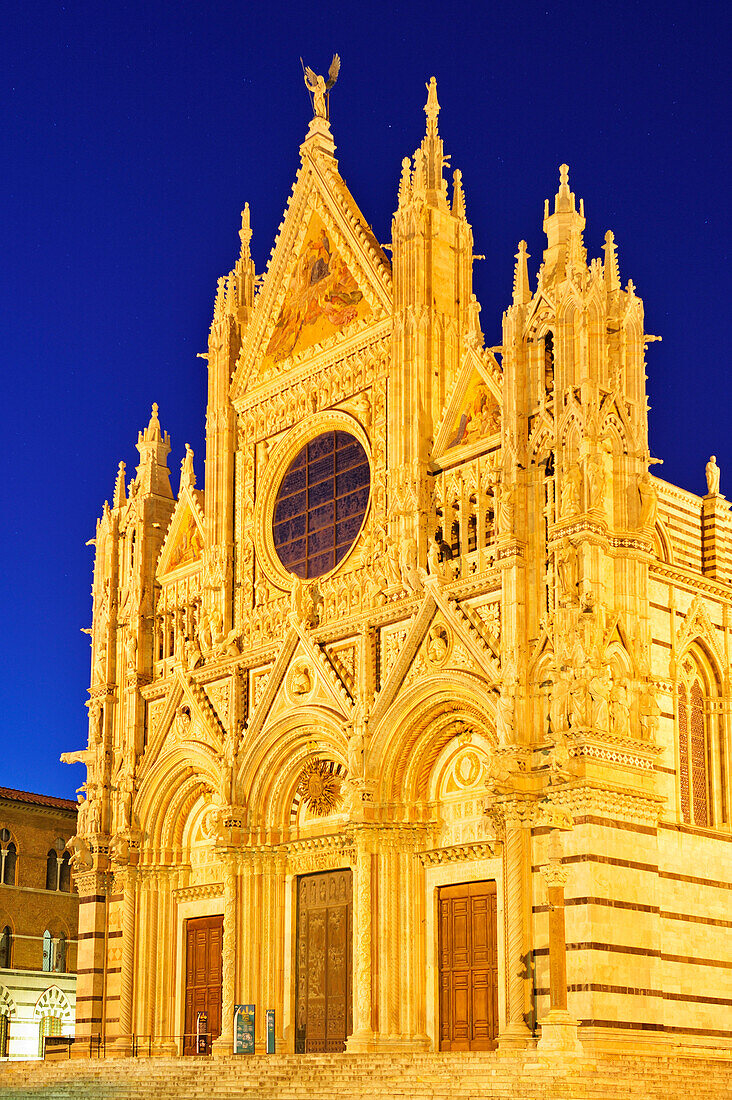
(183, 546)
(327, 281)
(471, 422)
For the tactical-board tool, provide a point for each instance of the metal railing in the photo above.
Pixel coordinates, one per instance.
(187, 1043)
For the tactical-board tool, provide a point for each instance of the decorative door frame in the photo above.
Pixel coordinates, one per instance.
(442, 868)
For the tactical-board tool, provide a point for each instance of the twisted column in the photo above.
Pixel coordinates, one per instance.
(152, 945)
(225, 1042)
(514, 857)
(127, 881)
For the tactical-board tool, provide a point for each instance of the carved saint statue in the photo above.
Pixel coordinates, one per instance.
(559, 703)
(566, 561)
(713, 472)
(319, 87)
(648, 501)
(596, 477)
(620, 710)
(570, 493)
(600, 688)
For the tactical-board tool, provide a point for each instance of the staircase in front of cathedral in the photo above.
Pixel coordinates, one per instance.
(373, 1076)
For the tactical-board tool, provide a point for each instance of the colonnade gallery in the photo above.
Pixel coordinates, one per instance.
(413, 723)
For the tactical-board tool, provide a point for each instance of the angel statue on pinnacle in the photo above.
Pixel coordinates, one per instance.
(320, 88)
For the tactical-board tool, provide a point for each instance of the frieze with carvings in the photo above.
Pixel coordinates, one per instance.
(461, 853)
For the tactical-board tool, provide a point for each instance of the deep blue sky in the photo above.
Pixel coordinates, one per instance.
(132, 135)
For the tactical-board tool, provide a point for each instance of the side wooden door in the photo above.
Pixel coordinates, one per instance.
(204, 942)
(468, 956)
(323, 1010)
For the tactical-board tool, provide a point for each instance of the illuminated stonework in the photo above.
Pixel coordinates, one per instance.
(505, 675)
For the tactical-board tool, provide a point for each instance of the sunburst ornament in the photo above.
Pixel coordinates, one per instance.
(318, 787)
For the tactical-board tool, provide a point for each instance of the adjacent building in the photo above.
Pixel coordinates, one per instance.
(413, 722)
(39, 911)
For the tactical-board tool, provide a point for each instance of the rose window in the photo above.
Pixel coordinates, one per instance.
(321, 504)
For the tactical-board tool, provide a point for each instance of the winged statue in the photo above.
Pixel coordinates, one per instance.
(319, 87)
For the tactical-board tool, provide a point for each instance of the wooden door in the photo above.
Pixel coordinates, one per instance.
(323, 1010)
(468, 953)
(204, 940)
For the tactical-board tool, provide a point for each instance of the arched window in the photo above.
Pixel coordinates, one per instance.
(52, 870)
(549, 362)
(4, 1035)
(48, 952)
(9, 858)
(701, 744)
(6, 948)
(59, 964)
(64, 878)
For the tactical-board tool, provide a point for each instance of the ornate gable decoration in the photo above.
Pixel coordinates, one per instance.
(471, 422)
(327, 279)
(184, 542)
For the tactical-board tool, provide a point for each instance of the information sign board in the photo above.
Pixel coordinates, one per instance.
(244, 1018)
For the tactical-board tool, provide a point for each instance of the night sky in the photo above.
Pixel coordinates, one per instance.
(133, 134)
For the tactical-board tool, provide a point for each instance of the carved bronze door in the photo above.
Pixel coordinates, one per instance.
(323, 1010)
(204, 940)
(468, 952)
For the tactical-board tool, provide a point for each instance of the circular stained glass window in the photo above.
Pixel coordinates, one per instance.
(321, 503)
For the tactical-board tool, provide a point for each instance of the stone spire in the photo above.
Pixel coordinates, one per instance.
(153, 476)
(563, 229)
(521, 288)
(612, 271)
(429, 158)
(120, 496)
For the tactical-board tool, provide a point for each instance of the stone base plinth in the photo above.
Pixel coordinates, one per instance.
(559, 1034)
(515, 1036)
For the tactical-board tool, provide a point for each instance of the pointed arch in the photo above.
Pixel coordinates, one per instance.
(185, 771)
(414, 731)
(567, 338)
(52, 1002)
(662, 543)
(702, 750)
(269, 772)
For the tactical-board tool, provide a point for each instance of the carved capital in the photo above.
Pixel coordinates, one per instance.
(555, 873)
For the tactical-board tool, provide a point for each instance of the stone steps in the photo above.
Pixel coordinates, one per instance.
(372, 1077)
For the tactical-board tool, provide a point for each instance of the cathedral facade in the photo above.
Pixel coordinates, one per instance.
(413, 724)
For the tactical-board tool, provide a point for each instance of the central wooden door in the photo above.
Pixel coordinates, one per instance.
(323, 1010)
(204, 941)
(468, 966)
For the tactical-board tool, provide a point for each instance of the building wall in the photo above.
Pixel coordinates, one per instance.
(27, 991)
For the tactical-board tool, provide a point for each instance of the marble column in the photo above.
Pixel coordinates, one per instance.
(126, 884)
(515, 1032)
(558, 1027)
(225, 1043)
(362, 1039)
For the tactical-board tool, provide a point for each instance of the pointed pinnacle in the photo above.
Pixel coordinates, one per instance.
(564, 198)
(612, 271)
(458, 195)
(432, 107)
(521, 288)
(120, 495)
(405, 183)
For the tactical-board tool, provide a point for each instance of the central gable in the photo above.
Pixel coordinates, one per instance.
(327, 279)
(322, 298)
